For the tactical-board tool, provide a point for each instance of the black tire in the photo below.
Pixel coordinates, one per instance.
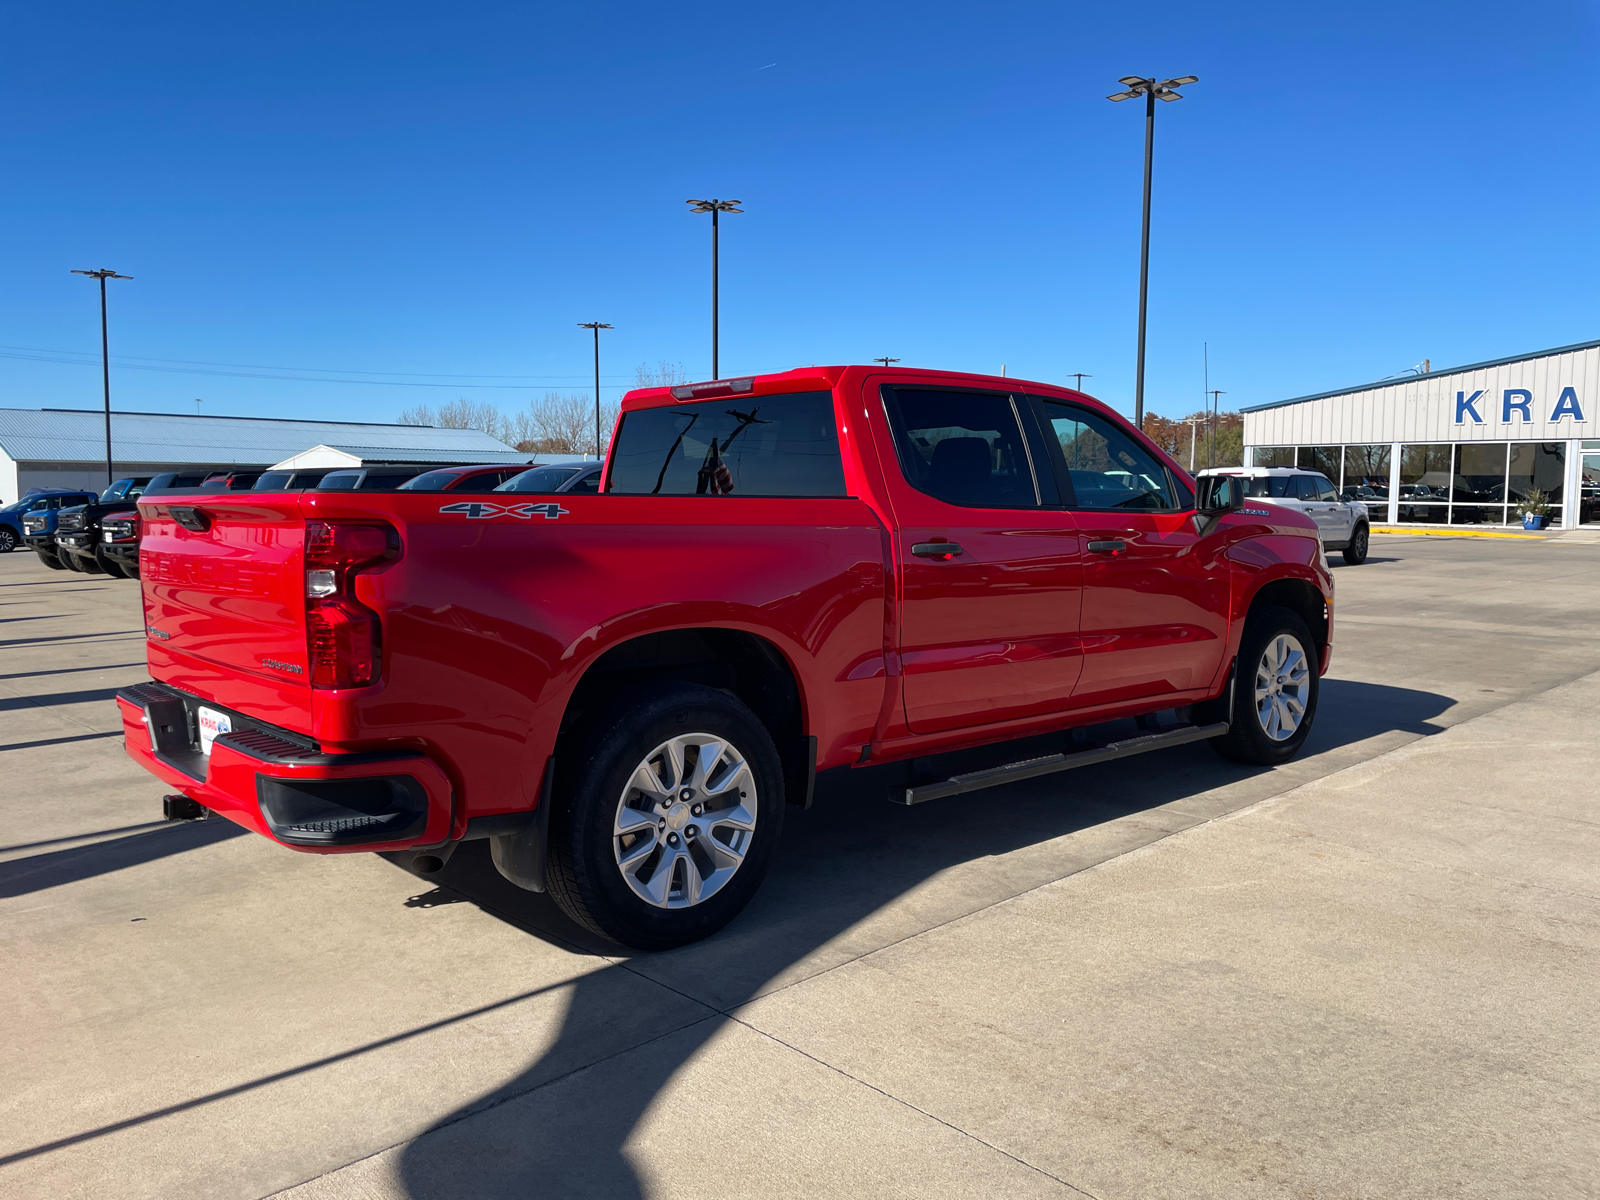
(51, 561)
(68, 562)
(583, 874)
(86, 566)
(8, 539)
(111, 567)
(1248, 739)
(1355, 550)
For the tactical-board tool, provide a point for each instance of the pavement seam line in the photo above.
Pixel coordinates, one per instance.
(914, 1108)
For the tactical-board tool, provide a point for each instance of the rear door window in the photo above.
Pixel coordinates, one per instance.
(741, 446)
(964, 448)
(1105, 468)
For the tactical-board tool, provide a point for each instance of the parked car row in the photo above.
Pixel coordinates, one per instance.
(75, 530)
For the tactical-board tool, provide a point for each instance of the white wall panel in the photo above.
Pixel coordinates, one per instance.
(1422, 409)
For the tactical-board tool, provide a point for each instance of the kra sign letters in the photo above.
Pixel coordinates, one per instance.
(1518, 401)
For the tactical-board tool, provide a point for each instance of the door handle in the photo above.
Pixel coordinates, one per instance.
(945, 550)
(1111, 547)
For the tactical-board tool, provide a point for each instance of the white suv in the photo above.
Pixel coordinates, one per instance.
(1343, 524)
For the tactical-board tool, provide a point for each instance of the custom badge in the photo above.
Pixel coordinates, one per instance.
(483, 510)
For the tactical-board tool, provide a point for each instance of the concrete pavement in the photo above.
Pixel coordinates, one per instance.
(1365, 974)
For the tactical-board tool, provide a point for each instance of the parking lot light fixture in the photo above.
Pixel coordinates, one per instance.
(597, 326)
(105, 357)
(886, 360)
(1152, 90)
(715, 208)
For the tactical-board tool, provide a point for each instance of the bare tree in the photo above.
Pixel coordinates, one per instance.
(664, 374)
(559, 424)
(420, 415)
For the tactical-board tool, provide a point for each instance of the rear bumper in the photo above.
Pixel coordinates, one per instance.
(278, 784)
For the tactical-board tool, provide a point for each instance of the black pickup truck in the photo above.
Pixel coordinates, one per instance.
(75, 543)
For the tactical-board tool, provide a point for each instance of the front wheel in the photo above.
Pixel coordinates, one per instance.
(663, 825)
(8, 539)
(1274, 690)
(1355, 550)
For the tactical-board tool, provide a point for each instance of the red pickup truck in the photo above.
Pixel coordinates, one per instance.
(785, 581)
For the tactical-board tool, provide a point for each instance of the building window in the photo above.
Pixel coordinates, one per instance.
(1366, 478)
(1478, 486)
(1272, 456)
(1589, 501)
(1425, 484)
(1324, 460)
(1541, 466)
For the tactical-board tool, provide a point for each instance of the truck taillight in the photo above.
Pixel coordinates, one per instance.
(343, 636)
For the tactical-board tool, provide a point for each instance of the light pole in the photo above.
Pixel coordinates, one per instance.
(886, 360)
(1079, 376)
(105, 355)
(1152, 90)
(597, 326)
(714, 207)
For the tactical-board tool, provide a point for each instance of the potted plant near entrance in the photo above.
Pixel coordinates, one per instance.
(1534, 509)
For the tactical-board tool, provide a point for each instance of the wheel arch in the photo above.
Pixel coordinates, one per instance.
(1299, 596)
(744, 664)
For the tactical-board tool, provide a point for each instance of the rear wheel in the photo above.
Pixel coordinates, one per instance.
(8, 539)
(1355, 550)
(1274, 690)
(664, 825)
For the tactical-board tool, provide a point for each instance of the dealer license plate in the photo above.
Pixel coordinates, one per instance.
(212, 723)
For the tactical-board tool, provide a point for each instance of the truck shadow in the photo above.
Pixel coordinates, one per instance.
(562, 1126)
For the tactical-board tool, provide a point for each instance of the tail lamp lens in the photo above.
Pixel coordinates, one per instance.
(343, 636)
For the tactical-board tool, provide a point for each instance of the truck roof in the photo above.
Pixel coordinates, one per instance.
(816, 378)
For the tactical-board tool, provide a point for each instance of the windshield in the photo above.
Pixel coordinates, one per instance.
(429, 481)
(539, 479)
(1277, 487)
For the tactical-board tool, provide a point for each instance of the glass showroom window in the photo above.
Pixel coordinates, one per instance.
(1589, 502)
(1541, 466)
(1425, 484)
(1272, 456)
(1478, 486)
(1324, 460)
(1366, 478)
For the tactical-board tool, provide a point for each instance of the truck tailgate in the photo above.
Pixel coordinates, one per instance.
(224, 601)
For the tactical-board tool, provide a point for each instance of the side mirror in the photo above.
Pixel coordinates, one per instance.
(1219, 493)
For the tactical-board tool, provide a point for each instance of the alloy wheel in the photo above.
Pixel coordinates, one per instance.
(685, 820)
(1283, 683)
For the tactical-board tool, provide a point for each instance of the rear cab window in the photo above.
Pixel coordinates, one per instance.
(784, 445)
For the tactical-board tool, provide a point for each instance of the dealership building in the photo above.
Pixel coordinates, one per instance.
(1460, 446)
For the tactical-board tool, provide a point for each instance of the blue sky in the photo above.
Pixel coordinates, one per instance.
(440, 193)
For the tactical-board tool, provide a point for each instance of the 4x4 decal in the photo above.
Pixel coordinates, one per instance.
(483, 510)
